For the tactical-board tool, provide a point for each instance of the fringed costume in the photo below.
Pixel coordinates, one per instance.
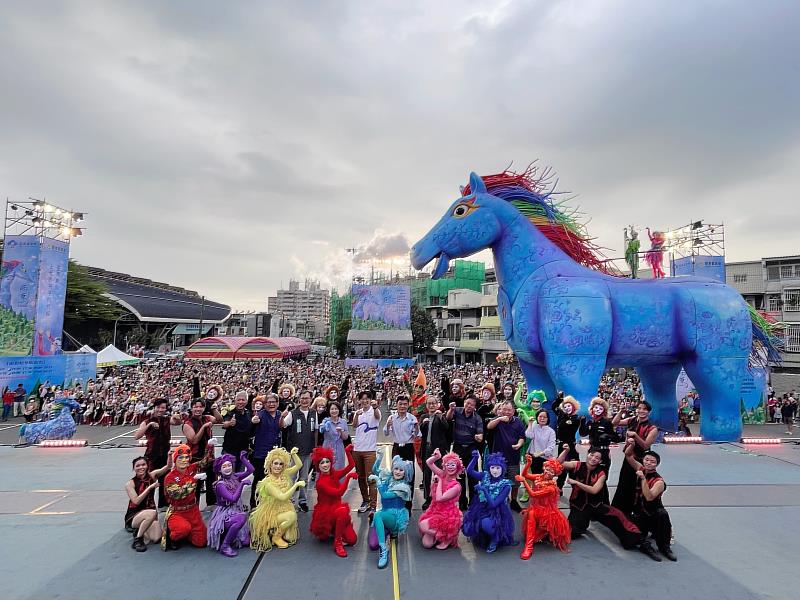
(488, 522)
(543, 518)
(273, 522)
(441, 523)
(392, 518)
(331, 516)
(227, 527)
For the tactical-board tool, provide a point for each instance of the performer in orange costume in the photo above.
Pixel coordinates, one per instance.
(417, 405)
(331, 516)
(183, 518)
(542, 518)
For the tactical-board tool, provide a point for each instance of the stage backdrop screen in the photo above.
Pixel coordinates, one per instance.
(19, 282)
(53, 259)
(381, 307)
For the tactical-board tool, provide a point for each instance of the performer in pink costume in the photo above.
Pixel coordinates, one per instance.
(655, 256)
(440, 524)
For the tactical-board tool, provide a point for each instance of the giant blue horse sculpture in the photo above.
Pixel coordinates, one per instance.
(567, 323)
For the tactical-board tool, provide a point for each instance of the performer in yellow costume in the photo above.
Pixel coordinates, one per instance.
(273, 522)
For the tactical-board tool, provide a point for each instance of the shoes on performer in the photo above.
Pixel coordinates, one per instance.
(364, 507)
(338, 547)
(139, 545)
(669, 555)
(371, 514)
(303, 506)
(491, 547)
(383, 556)
(278, 541)
(426, 505)
(130, 529)
(527, 551)
(647, 548)
(228, 550)
(515, 506)
(462, 506)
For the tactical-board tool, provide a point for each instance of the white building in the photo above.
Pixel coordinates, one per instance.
(303, 313)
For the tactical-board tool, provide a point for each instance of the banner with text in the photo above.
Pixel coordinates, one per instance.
(53, 262)
(19, 282)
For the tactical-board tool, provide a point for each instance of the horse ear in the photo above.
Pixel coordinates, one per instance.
(476, 185)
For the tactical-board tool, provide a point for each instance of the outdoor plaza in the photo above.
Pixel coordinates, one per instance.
(734, 510)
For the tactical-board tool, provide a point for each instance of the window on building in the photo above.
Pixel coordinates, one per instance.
(774, 303)
(793, 337)
(797, 271)
(773, 273)
(740, 278)
(791, 300)
(787, 271)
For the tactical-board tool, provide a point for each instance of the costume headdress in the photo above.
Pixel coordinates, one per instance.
(496, 459)
(556, 466)
(458, 381)
(490, 387)
(288, 386)
(453, 457)
(320, 452)
(570, 400)
(181, 450)
(331, 388)
(537, 395)
(277, 453)
(597, 400)
(218, 389)
(406, 465)
(223, 459)
(421, 380)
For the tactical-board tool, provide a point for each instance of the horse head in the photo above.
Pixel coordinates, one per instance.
(472, 223)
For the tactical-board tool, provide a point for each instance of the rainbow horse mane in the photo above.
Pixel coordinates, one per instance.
(532, 194)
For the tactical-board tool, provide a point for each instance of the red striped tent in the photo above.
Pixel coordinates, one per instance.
(247, 348)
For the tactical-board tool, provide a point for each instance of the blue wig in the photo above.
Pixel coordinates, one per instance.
(406, 465)
(496, 459)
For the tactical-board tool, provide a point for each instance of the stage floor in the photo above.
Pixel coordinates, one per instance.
(735, 512)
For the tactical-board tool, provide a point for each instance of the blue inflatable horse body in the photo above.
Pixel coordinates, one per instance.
(567, 323)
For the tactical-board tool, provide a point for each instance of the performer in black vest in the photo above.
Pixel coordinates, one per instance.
(599, 429)
(649, 513)
(641, 433)
(301, 426)
(568, 423)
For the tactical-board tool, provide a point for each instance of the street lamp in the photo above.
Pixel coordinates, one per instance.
(126, 318)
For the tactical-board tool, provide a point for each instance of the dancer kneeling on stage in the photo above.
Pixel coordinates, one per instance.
(227, 527)
(331, 516)
(542, 519)
(141, 518)
(394, 488)
(488, 522)
(274, 520)
(183, 519)
(441, 522)
(649, 513)
(589, 502)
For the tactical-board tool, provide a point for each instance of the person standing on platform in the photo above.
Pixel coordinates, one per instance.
(467, 436)
(156, 429)
(366, 421)
(267, 423)
(301, 433)
(403, 428)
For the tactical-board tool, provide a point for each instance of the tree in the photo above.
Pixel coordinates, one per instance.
(423, 329)
(86, 298)
(340, 340)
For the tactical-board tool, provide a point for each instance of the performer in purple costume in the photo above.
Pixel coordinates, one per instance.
(227, 528)
(488, 522)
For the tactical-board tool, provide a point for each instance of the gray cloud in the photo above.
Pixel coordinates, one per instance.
(214, 145)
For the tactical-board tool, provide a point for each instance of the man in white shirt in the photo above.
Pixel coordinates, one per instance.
(403, 428)
(366, 421)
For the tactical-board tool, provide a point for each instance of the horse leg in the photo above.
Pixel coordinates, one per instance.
(719, 382)
(658, 382)
(577, 375)
(537, 378)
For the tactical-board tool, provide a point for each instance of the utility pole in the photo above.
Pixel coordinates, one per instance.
(202, 314)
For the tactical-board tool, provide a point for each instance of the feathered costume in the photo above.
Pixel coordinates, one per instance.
(542, 518)
(392, 518)
(60, 426)
(655, 256)
(488, 522)
(273, 522)
(331, 516)
(443, 518)
(183, 518)
(227, 527)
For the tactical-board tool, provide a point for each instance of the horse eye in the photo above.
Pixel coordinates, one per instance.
(460, 210)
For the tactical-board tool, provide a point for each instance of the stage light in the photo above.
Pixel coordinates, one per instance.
(14, 207)
(38, 203)
(28, 213)
(697, 225)
(761, 440)
(49, 208)
(66, 231)
(172, 442)
(77, 217)
(76, 232)
(63, 443)
(36, 220)
(686, 439)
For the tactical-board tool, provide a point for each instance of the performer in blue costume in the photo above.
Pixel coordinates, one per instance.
(488, 522)
(60, 426)
(395, 490)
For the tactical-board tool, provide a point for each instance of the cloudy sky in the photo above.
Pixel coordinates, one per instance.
(228, 146)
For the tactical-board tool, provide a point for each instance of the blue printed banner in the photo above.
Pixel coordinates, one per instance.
(33, 371)
(53, 261)
(712, 267)
(19, 282)
(381, 307)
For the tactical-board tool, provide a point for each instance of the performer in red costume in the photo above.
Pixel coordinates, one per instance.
(542, 518)
(331, 516)
(417, 405)
(183, 519)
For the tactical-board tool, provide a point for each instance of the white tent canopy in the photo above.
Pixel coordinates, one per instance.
(86, 349)
(111, 356)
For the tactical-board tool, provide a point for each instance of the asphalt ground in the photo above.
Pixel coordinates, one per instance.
(734, 509)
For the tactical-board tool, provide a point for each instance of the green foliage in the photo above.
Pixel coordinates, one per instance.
(86, 298)
(16, 333)
(340, 339)
(423, 329)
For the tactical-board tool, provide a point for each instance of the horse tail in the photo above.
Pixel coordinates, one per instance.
(767, 339)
